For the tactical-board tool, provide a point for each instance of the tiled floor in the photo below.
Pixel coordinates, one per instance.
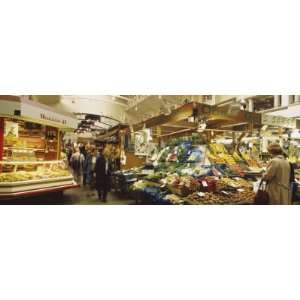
(87, 196)
(80, 195)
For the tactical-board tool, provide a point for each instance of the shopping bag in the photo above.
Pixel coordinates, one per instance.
(261, 197)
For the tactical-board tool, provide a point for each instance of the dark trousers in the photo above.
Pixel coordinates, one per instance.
(102, 194)
(84, 178)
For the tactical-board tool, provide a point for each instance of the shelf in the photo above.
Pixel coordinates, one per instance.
(30, 162)
(23, 148)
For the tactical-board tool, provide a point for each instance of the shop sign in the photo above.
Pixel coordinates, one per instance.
(41, 113)
(44, 116)
(26, 108)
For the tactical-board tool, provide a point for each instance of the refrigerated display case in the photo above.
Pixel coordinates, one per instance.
(30, 148)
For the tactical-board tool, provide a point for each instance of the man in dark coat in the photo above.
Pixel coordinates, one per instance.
(102, 176)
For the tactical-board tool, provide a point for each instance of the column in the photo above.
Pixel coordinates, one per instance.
(250, 105)
(59, 144)
(213, 100)
(276, 100)
(284, 100)
(1, 140)
(297, 98)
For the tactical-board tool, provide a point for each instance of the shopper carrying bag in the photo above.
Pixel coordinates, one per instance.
(277, 177)
(262, 196)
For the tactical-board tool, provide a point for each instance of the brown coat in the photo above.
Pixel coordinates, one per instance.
(278, 178)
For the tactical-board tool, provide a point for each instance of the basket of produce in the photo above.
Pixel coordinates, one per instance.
(183, 185)
(142, 184)
(208, 184)
(221, 198)
(179, 190)
(174, 199)
(155, 177)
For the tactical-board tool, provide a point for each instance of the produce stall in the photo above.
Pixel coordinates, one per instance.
(191, 166)
(190, 177)
(31, 136)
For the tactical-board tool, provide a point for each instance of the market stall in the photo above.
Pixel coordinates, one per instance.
(191, 166)
(31, 136)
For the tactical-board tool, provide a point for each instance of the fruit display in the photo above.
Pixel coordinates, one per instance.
(174, 199)
(162, 156)
(215, 159)
(197, 154)
(237, 157)
(179, 153)
(142, 184)
(236, 169)
(228, 183)
(250, 161)
(186, 181)
(243, 197)
(217, 149)
(195, 170)
(228, 159)
(208, 183)
(155, 177)
(198, 174)
(182, 185)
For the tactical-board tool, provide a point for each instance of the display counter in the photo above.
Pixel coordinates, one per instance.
(30, 148)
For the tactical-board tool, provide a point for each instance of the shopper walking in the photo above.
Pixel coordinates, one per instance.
(76, 162)
(102, 176)
(87, 168)
(278, 176)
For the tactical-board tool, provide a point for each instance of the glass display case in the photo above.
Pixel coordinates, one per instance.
(31, 136)
(17, 176)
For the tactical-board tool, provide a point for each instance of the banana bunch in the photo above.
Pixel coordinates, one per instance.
(236, 156)
(218, 148)
(215, 159)
(228, 159)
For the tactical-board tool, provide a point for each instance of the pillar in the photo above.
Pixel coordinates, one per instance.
(250, 105)
(59, 144)
(276, 100)
(284, 100)
(297, 98)
(213, 99)
(1, 140)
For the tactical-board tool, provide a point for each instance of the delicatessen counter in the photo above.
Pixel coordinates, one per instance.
(30, 149)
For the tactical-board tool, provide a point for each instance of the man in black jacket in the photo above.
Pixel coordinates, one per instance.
(102, 176)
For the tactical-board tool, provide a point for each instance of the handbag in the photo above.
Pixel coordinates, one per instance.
(261, 197)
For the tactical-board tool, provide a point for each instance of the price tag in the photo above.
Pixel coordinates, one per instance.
(200, 194)
(204, 183)
(225, 193)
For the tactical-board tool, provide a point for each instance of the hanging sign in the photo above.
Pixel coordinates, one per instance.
(22, 107)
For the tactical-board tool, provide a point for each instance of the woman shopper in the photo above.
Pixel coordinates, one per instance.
(278, 176)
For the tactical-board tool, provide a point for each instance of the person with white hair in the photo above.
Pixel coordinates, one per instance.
(76, 163)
